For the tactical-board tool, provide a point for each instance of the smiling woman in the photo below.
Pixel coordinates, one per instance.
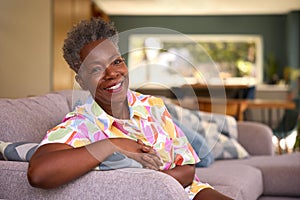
(114, 120)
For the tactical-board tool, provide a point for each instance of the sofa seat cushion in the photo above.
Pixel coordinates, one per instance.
(240, 182)
(280, 173)
(278, 198)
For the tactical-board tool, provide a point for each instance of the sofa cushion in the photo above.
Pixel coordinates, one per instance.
(199, 144)
(18, 151)
(238, 181)
(28, 119)
(280, 173)
(278, 198)
(220, 131)
(223, 147)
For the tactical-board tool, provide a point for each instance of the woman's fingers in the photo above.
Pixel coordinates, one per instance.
(152, 158)
(158, 161)
(139, 141)
(145, 148)
(151, 161)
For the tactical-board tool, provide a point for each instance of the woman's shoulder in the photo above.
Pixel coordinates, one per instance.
(79, 114)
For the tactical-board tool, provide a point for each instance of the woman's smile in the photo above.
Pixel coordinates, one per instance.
(115, 87)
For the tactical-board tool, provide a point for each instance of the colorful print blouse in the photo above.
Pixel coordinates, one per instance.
(149, 121)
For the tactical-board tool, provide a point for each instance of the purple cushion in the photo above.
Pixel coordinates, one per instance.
(28, 119)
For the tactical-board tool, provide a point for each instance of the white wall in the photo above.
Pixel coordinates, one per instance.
(25, 47)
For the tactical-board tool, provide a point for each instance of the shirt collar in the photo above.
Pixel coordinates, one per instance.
(135, 104)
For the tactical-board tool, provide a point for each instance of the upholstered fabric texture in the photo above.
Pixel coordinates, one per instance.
(246, 182)
(280, 173)
(258, 142)
(129, 183)
(28, 119)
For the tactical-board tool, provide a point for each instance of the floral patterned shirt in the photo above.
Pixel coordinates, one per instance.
(149, 121)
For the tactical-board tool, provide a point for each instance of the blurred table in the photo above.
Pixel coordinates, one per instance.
(230, 91)
(270, 105)
(233, 107)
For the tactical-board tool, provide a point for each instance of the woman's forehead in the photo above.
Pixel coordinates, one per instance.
(101, 45)
(99, 50)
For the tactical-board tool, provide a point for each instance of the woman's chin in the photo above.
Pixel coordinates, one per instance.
(109, 97)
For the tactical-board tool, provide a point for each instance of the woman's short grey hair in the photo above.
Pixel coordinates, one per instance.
(83, 33)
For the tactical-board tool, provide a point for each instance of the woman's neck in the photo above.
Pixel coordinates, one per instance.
(117, 110)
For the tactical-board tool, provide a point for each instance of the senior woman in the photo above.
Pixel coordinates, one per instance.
(113, 120)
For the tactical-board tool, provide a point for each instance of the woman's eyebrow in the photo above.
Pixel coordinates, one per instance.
(111, 58)
(101, 63)
(95, 62)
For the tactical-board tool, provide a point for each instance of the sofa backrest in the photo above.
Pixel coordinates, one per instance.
(28, 119)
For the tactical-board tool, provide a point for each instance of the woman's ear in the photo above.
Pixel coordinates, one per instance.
(80, 82)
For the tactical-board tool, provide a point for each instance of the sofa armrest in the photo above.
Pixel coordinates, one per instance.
(128, 183)
(256, 138)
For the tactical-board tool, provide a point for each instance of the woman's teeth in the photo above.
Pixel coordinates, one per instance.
(114, 87)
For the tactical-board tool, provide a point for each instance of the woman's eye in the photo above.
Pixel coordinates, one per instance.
(118, 61)
(96, 70)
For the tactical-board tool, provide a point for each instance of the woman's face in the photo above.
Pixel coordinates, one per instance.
(103, 72)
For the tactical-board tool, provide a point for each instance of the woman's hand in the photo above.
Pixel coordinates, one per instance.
(138, 151)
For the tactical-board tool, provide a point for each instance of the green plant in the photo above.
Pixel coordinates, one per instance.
(297, 142)
(271, 67)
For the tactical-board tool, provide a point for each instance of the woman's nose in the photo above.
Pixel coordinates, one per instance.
(111, 72)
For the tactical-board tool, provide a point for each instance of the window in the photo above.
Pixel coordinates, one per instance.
(173, 59)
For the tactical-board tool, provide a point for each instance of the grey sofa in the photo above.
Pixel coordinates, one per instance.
(263, 176)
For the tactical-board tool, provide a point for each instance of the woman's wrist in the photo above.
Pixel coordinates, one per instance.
(183, 174)
(102, 149)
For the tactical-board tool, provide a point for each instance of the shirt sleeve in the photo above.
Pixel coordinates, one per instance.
(184, 152)
(72, 131)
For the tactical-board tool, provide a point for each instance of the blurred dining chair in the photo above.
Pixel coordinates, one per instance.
(288, 124)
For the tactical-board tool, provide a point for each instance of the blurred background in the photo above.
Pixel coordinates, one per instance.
(32, 34)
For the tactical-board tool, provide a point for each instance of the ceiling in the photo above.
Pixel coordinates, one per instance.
(197, 7)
